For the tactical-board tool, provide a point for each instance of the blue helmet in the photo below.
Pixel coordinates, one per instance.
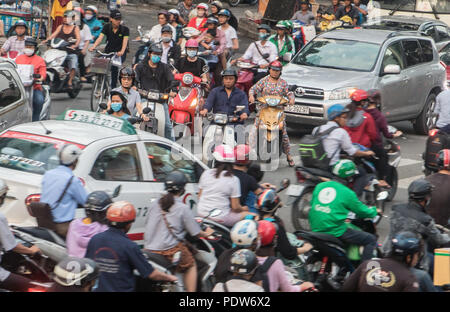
(336, 110)
(224, 12)
(405, 243)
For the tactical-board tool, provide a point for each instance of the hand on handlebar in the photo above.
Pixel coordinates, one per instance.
(243, 116)
(307, 286)
(203, 112)
(207, 232)
(369, 153)
(34, 249)
(398, 134)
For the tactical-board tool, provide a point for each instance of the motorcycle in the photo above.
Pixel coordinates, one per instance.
(235, 3)
(437, 140)
(144, 38)
(246, 73)
(154, 109)
(57, 73)
(393, 151)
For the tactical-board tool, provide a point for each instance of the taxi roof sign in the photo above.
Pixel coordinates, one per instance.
(98, 119)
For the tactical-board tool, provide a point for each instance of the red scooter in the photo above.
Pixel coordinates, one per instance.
(245, 77)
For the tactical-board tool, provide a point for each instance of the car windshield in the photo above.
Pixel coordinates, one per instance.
(29, 152)
(339, 54)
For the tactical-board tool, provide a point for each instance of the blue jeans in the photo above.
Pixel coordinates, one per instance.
(38, 102)
(168, 128)
(424, 279)
(361, 238)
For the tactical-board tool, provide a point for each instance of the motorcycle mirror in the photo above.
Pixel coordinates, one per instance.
(117, 191)
(285, 183)
(146, 110)
(205, 69)
(171, 61)
(103, 106)
(382, 195)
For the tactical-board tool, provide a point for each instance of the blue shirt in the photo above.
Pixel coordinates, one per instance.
(92, 23)
(53, 184)
(442, 109)
(117, 257)
(219, 101)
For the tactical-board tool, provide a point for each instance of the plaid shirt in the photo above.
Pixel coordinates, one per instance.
(12, 44)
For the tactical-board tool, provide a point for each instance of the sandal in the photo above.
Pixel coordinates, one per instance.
(384, 184)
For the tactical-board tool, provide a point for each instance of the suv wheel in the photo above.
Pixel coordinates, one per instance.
(426, 120)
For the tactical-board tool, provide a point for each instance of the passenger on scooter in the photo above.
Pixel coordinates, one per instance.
(442, 111)
(30, 57)
(255, 171)
(168, 222)
(86, 37)
(151, 74)
(207, 44)
(75, 274)
(191, 62)
(274, 85)
(261, 53)
(118, 107)
(283, 41)
(332, 202)
(304, 15)
(16, 43)
(243, 264)
(391, 274)
(171, 50)
(8, 280)
(118, 256)
(271, 265)
(199, 21)
(174, 21)
(70, 33)
(163, 21)
(232, 42)
(220, 189)
(91, 20)
(127, 79)
(82, 230)
(225, 99)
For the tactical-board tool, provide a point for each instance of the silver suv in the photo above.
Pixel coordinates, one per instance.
(404, 66)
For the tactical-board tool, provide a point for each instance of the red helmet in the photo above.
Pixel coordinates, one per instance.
(443, 159)
(191, 43)
(276, 65)
(242, 154)
(359, 95)
(121, 212)
(266, 231)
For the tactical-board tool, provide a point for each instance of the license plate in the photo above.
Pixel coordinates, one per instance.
(299, 109)
(295, 190)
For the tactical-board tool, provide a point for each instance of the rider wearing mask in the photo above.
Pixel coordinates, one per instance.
(86, 37)
(163, 21)
(118, 256)
(62, 182)
(168, 222)
(16, 43)
(127, 79)
(29, 57)
(348, 10)
(274, 85)
(330, 205)
(75, 274)
(283, 41)
(391, 274)
(82, 230)
(261, 53)
(152, 74)
(199, 22)
(171, 50)
(118, 107)
(191, 62)
(91, 20)
(226, 98)
(11, 281)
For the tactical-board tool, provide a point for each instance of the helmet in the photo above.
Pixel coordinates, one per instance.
(68, 154)
(93, 8)
(155, 48)
(266, 27)
(276, 65)
(242, 154)
(359, 95)
(166, 28)
(374, 95)
(69, 13)
(121, 212)
(78, 9)
(98, 201)
(20, 23)
(243, 261)
(212, 20)
(267, 231)
(127, 72)
(419, 189)
(405, 243)
(191, 43)
(335, 111)
(244, 233)
(255, 171)
(175, 181)
(344, 168)
(229, 72)
(217, 4)
(443, 159)
(202, 6)
(174, 12)
(73, 271)
(31, 42)
(268, 201)
(283, 25)
(224, 12)
(224, 153)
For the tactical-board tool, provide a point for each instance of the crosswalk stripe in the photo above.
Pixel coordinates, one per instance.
(404, 183)
(408, 162)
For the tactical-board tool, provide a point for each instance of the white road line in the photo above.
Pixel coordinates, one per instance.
(407, 162)
(404, 183)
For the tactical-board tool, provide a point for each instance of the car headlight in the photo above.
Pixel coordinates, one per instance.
(341, 93)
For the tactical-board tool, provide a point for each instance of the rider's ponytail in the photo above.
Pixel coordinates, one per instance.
(228, 167)
(167, 201)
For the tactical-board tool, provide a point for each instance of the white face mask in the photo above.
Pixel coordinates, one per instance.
(88, 17)
(28, 52)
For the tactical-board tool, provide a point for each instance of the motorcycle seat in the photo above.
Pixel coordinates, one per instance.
(158, 259)
(44, 234)
(327, 238)
(320, 172)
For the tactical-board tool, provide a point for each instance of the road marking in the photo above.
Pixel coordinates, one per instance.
(407, 162)
(404, 183)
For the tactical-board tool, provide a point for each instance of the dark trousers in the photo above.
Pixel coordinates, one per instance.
(38, 102)
(361, 238)
(115, 72)
(259, 75)
(445, 129)
(360, 181)
(382, 162)
(81, 64)
(16, 282)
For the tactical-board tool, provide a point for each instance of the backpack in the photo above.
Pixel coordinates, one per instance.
(312, 151)
(263, 271)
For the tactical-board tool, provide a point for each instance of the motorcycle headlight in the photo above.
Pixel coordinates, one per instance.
(273, 101)
(341, 93)
(188, 79)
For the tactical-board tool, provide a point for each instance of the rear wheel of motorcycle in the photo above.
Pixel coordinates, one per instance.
(300, 211)
(393, 182)
(234, 3)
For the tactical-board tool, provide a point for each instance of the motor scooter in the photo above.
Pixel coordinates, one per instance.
(142, 51)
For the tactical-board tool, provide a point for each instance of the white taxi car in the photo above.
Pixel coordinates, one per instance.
(114, 153)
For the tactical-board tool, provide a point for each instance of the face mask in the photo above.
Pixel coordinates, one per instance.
(191, 53)
(28, 52)
(166, 39)
(263, 36)
(70, 23)
(116, 106)
(88, 17)
(156, 59)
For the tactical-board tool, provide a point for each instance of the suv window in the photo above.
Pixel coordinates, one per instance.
(120, 163)
(427, 50)
(165, 160)
(393, 56)
(442, 33)
(412, 52)
(9, 90)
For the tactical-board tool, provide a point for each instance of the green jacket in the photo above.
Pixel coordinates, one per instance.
(331, 202)
(288, 47)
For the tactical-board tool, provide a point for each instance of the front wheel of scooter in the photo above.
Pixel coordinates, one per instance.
(76, 88)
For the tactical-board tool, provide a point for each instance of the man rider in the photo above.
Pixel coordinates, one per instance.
(274, 85)
(31, 58)
(348, 10)
(163, 21)
(284, 42)
(91, 20)
(171, 50)
(330, 205)
(16, 43)
(126, 78)
(304, 15)
(151, 74)
(442, 110)
(191, 62)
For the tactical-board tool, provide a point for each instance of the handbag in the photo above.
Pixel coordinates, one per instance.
(116, 60)
(185, 242)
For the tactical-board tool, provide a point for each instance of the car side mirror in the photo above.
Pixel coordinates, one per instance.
(391, 69)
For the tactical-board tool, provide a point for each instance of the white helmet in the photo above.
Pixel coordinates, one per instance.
(68, 154)
(174, 12)
(203, 6)
(3, 187)
(244, 233)
(93, 8)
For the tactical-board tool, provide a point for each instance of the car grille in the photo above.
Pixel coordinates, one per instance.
(309, 93)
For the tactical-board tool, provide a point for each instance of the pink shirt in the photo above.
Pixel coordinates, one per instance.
(277, 277)
(220, 36)
(79, 235)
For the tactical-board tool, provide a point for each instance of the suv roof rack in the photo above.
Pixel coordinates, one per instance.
(406, 32)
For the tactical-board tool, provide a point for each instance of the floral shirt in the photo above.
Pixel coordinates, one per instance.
(265, 87)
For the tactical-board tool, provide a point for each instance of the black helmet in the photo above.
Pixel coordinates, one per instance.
(166, 28)
(266, 27)
(127, 72)
(243, 261)
(374, 95)
(155, 48)
(74, 271)
(98, 201)
(212, 20)
(405, 243)
(175, 181)
(443, 159)
(31, 42)
(229, 72)
(20, 23)
(419, 189)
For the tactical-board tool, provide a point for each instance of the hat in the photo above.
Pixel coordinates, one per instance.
(115, 14)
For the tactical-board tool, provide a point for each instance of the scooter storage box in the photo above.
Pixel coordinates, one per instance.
(442, 266)
(435, 143)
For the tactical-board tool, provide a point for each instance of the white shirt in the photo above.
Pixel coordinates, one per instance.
(155, 33)
(165, 52)
(238, 285)
(230, 34)
(85, 35)
(254, 56)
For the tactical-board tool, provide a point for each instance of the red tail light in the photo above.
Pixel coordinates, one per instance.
(36, 290)
(432, 132)
(32, 198)
(300, 177)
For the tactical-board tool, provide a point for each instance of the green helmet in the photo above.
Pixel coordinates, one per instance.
(283, 25)
(344, 169)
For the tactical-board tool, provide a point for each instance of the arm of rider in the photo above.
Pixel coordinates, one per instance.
(235, 42)
(78, 38)
(52, 36)
(434, 235)
(160, 276)
(26, 250)
(364, 153)
(97, 42)
(353, 204)
(124, 46)
(236, 205)
(304, 249)
(208, 232)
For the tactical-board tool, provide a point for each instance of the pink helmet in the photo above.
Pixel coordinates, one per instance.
(224, 153)
(192, 43)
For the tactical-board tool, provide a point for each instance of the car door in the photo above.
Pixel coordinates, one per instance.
(13, 103)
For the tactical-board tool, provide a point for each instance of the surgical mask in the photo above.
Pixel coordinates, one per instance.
(191, 53)
(156, 59)
(263, 36)
(166, 39)
(116, 106)
(88, 17)
(28, 52)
